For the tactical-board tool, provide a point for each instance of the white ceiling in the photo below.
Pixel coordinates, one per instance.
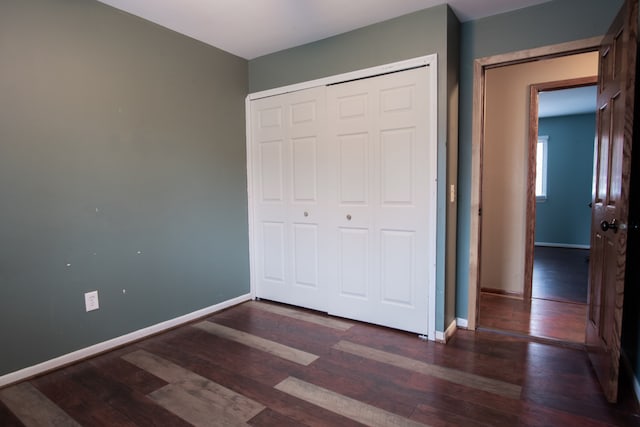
(564, 102)
(252, 28)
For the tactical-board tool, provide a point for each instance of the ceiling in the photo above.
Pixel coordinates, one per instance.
(252, 28)
(565, 102)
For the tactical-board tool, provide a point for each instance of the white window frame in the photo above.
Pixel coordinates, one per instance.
(541, 168)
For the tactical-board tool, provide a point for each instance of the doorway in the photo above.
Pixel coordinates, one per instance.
(562, 136)
(506, 267)
(610, 260)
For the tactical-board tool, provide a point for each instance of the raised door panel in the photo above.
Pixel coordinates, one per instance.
(305, 169)
(397, 268)
(354, 265)
(353, 169)
(306, 255)
(273, 249)
(270, 171)
(397, 148)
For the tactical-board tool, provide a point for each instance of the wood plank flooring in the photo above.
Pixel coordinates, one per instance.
(561, 274)
(553, 320)
(558, 309)
(266, 364)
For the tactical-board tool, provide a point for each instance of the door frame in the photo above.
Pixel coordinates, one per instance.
(421, 61)
(480, 66)
(530, 220)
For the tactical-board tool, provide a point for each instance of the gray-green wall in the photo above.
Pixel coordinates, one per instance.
(116, 137)
(417, 34)
(453, 94)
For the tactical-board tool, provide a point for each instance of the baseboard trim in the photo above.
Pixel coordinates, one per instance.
(443, 337)
(102, 347)
(462, 323)
(510, 294)
(562, 245)
(634, 380)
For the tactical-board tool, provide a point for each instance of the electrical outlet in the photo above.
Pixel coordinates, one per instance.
(91, 301)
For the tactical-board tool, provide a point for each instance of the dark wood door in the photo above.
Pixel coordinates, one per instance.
(611, 196)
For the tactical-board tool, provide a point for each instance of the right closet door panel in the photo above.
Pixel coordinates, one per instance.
(381, 194)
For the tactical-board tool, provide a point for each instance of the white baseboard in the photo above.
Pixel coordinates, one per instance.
(95, 349)
(462, 323)
(562, 245)
(443, 337)
(636, 385)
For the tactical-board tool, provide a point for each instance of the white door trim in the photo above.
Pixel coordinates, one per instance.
(427, 60)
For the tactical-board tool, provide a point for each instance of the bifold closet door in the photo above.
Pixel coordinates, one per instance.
(289, 197)
(381, 207)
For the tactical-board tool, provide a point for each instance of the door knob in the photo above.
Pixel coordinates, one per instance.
(613, 225)
(348, 217)
(306, 213)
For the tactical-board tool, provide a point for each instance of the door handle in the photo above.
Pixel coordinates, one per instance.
(613, 225)
(349, 217)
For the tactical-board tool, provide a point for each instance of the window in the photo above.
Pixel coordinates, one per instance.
(541, 168)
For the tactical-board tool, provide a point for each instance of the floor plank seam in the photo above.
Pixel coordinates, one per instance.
(502, 388)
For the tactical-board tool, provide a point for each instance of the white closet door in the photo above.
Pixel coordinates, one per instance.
(289, 200)
(382, 209)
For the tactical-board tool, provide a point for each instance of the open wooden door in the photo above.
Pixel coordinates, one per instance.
(611, 196)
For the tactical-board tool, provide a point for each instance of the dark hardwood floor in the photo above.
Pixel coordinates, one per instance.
(558, 306)
(561, 274)
(546, 319)
(266, 364)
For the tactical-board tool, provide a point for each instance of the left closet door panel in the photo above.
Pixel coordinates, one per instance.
(289, 158)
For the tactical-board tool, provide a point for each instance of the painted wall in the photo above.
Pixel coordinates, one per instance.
(546, 24)
(421, 33)
(565, 217)
(505, 153)
(122, 168)
(453, 94)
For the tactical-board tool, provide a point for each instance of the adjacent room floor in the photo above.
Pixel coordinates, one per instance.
(267, 364)
(558, 307)
(561, 274)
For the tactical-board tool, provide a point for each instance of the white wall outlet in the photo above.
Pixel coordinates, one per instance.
(91, 301)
